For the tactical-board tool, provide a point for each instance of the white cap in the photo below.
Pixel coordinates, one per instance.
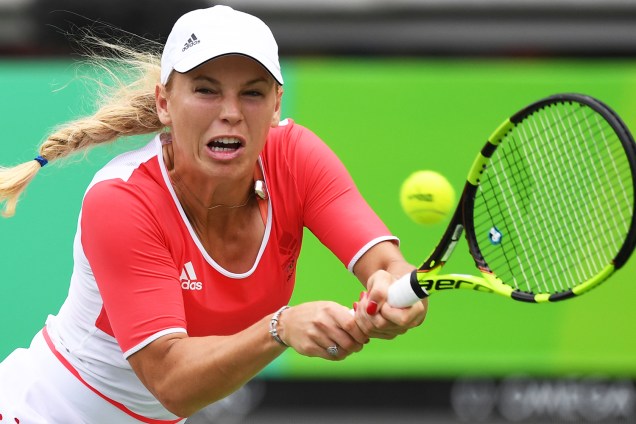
(203, 34)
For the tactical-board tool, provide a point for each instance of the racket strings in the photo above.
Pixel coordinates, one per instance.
(584, 196)
(558, 190)
(568, 206)
(601, 237)
(497, 208)
(561, 214)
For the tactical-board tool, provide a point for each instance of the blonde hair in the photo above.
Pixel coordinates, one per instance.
(126, 107)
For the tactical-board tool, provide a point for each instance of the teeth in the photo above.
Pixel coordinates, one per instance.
(219, 144)
(227, 140)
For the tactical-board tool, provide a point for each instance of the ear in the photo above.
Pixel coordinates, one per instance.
(277, 110)
(161, 101)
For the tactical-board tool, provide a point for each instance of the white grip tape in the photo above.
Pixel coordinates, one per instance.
(401, 294)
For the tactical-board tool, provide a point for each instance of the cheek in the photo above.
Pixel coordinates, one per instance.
(262, 136)
(265, 117)
(190, 120)
(262, 123)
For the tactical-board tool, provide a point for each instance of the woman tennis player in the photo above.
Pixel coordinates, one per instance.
(185, 253)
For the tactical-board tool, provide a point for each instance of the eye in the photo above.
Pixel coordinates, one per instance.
(204, 90)
(253, 93)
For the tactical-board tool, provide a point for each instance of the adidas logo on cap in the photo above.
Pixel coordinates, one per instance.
(192, 41)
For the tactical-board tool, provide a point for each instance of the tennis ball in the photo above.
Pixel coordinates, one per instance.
(427, 197)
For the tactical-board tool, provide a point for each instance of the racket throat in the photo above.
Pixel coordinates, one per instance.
(445, 248)
(416, 286)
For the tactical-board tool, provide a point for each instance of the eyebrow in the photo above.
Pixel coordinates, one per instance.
(215, 81)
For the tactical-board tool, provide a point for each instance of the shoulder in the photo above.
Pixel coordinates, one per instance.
(125, 214)
(290, 131)
(125, 165)
(131, 181)
(293, 140)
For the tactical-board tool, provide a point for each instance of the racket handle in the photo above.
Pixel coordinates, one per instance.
(402, 293)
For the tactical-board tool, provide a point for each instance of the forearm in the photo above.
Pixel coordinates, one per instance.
(385, 256)
(399, 267)
(189, 373)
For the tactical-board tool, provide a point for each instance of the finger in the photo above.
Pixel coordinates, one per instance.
(348, 324)
(364, 321)
(389, 322)
(333, 351)
(386, 335)
(326, 348)
(347, 342)
(367, 305)
(343, 336)
(406, 317)
(372, 325)
(378, 286)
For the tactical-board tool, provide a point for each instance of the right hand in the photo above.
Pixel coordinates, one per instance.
(380, 320)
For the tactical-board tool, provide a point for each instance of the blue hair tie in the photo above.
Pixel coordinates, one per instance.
(41, 161)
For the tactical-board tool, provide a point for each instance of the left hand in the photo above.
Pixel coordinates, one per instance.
(377, 319)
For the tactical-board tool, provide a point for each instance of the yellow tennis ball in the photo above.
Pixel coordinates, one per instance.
(427, 197)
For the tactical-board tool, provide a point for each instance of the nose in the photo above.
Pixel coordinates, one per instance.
(231, 110)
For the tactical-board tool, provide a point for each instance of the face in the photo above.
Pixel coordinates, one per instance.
(219, 115)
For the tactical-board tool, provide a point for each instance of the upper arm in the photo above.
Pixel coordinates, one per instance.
(134, 272)
(150, 362)
(332, 206)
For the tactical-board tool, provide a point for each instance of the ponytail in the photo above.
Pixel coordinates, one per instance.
(124, 109)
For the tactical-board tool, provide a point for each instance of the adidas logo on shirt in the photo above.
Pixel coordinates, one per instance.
(192, 41)
(189, 280)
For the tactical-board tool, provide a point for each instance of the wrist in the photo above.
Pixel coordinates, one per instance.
(274, 325)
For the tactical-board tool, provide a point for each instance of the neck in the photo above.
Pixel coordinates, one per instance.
(184, 192)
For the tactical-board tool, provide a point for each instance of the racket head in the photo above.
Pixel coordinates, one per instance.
(549, 204)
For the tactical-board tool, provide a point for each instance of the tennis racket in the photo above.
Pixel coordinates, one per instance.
(547, 208)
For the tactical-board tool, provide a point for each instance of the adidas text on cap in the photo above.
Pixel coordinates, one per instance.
(204, 34)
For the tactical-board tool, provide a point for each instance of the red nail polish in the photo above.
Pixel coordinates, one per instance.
(372, 308)
(355, 306)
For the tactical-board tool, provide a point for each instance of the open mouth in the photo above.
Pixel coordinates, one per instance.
(225, 144)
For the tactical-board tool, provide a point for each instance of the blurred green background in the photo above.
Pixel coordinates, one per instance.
(385, 118)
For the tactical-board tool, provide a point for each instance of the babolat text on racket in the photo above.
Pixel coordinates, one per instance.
(547, 208)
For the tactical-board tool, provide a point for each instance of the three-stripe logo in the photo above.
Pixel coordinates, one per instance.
(189, 280)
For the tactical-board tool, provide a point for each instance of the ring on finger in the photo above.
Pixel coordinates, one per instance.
(332, 350)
